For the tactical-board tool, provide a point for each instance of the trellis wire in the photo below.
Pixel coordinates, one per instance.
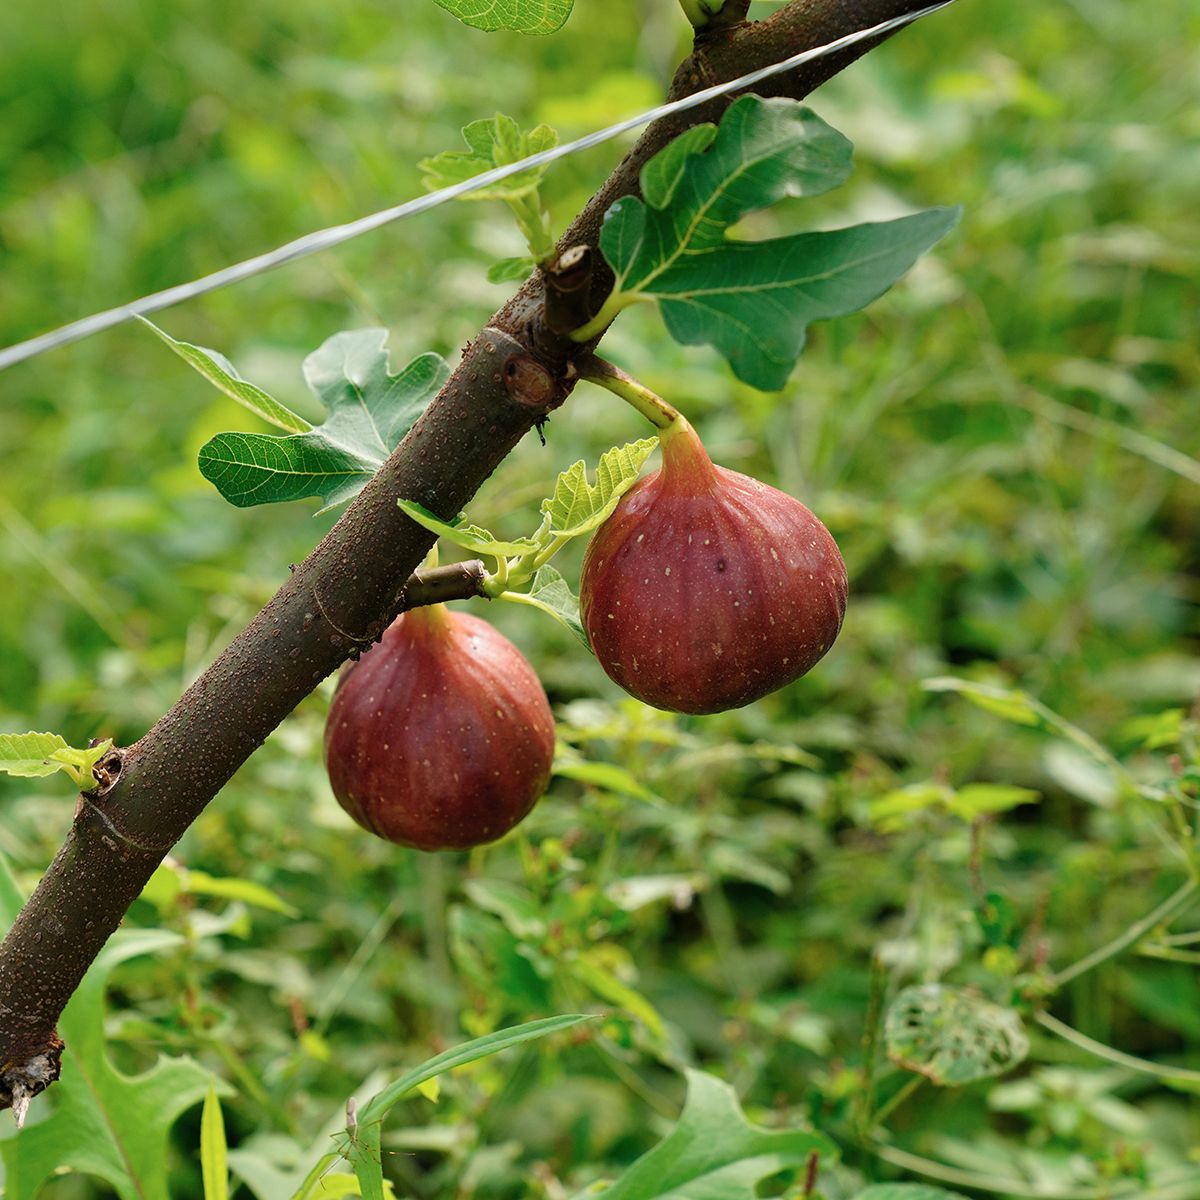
(324, 239)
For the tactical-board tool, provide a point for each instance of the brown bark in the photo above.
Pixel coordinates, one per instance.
(352, 585)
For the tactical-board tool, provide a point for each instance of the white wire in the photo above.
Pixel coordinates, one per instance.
(323, 239)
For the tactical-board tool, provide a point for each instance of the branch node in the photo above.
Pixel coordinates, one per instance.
(21, 1081)
(568, 282)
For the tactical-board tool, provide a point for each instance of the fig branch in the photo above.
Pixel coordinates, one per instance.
(348, 590)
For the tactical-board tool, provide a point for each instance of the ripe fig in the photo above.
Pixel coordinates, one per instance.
(705, 589)
(440, 737)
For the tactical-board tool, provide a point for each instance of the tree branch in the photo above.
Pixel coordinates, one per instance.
(342, 597)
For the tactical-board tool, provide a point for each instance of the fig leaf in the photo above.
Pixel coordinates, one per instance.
(32, 755)
(579, 507)
(469, 537)
(753, 301)
(523, 16)
(370, 411)
(551, 593)
(107, 1123)
(222, 374)
(494, 143)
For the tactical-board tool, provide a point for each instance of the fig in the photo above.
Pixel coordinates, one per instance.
(440, 737)
(706, 589)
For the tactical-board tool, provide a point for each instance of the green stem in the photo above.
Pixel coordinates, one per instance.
(654, 408)
(251, 1086)
(1100, 1050)
(889, 1106)
(988, 1183)
(1135, 931)
(354, 968)
(534, 224)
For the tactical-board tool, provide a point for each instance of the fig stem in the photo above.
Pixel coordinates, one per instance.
(606, 375)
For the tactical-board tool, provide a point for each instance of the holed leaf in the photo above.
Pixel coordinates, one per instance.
(494, 143)
(753, 301)
(952, 1037)
(370, 411)
(714, 1152)
(523, 16)
(107, 1123)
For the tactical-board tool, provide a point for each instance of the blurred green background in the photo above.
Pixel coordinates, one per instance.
(991, 444)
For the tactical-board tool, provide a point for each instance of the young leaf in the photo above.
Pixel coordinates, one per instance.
(551, 593)
(220, 372)
(469, 537)
(577, 507)
(714, 1152)
(952, 1037)
(505, 270)
(523, 16)
(494, 143)
(106, 1123)
(32, 755)
(753, 301)
(370, 410)
(28, 754)
(213, 1166)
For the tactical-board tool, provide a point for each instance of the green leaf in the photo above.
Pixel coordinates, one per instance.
(200, 884)
(505, 270)
(106, 1123)
(975, 799)
(886, 810)
(28, 754)
(753, 301)
(212, 1148)
(457, 1056)
(523, 16)
(370, 411)
(11, 900)
(591, 971)
(511, 902)
(714, 1153)
(32, 755)
(494, 143)
(469, 537)
(220, 372)
(1012, 705)
(577, 507)
(604, 775)
(551, 593)
(952, 1037)
(361, 1148)
(906, 1191)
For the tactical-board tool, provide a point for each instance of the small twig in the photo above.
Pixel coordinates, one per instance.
(886, 1109)
(1100, 1050)
(1131, 935)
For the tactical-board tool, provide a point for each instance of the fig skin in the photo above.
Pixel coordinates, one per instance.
(440, 737)
(705, 589)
